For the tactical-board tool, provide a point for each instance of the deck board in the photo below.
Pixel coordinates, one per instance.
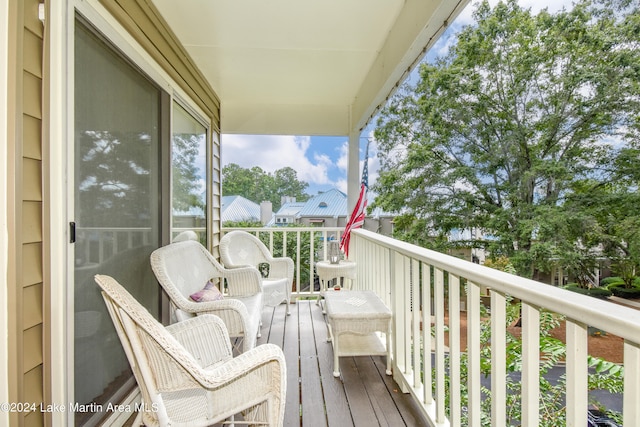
(335, 398)
(313, 413)
(364, 396)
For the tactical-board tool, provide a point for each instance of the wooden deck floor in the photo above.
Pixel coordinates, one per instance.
(365, 396)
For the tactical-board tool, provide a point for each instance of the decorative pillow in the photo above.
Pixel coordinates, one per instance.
(209, 293)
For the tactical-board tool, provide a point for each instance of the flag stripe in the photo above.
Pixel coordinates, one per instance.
(356, 220)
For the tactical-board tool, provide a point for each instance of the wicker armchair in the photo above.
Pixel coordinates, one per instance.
(186, 373)
(241, 249)
(183, 268)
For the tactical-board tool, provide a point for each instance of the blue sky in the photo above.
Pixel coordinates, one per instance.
(322, 161)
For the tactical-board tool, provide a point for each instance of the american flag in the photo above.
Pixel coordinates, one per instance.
(357, 216)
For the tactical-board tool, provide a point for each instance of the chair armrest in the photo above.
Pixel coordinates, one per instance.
(233, 313)
(205, 337)
(243, 281)
(281, 267)
(241, 365)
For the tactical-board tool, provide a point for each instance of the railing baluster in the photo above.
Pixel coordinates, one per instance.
(426, 333)
(440, 346)
(400, 274)
(631, 384)
(312, 251)
(415, 319)
(398, 310)
(473, 354)
(284, 243)
(577, 391)
(298, 263)
(325, 236)
(498, 358)
(454, 350)
(406, 313)
(530, 365)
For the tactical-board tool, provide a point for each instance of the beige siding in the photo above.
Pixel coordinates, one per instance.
(31, 138)
(25, 309)
(32, 303)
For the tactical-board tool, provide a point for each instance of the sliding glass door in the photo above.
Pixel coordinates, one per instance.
(117, 209)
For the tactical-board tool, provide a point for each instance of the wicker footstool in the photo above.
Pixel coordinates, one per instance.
(353, 319)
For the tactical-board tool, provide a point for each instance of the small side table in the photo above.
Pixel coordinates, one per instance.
(353, 319)
(327, 272)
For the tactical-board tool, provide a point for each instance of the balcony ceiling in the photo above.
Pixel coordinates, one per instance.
(304, 67)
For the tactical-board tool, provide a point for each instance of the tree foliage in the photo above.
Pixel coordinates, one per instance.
(604, 375)
(524, 112)
(186, 189)
(257, 185)
(115, 179)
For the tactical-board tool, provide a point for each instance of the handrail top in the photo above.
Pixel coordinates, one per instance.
(616, 319)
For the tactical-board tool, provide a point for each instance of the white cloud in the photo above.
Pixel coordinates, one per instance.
(272, 152)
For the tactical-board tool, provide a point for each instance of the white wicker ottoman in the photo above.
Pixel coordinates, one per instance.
(353, 319)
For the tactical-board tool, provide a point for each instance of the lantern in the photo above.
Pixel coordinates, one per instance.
(334, 251)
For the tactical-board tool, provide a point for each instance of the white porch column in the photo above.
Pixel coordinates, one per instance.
(353, 170)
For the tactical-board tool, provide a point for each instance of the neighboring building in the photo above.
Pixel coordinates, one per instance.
(465, 250)
(238, 208)
(288, 213)
(379, 221)
(329, 209)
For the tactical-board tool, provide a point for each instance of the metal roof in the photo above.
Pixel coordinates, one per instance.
(332, 203)
(290, 209)
(305, 67)
(238, 208)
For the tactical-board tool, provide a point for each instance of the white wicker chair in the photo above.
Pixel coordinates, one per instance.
(241, 249)
(186, 373)
(184, 268)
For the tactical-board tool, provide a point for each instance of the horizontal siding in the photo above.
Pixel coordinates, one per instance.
(32, 347)
(32, 93)
(30, 300)
(31, 222)
(33, 381)
(31, 179)
(32, 264)
(32, 59)
(31, 138)
(32, 305)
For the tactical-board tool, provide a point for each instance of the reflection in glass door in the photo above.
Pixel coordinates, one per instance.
(189, 173)
(117, 214)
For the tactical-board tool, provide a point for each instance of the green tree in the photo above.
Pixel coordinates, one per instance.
(257, 185)
(186, 190)
(496, 134)
(605, 375)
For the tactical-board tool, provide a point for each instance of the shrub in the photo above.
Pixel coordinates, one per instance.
(620, 290)
(609, 280)
(592, 292)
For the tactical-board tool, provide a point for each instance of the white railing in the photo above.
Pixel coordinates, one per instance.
(97, 244)
(305, 245)
(396, 271)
